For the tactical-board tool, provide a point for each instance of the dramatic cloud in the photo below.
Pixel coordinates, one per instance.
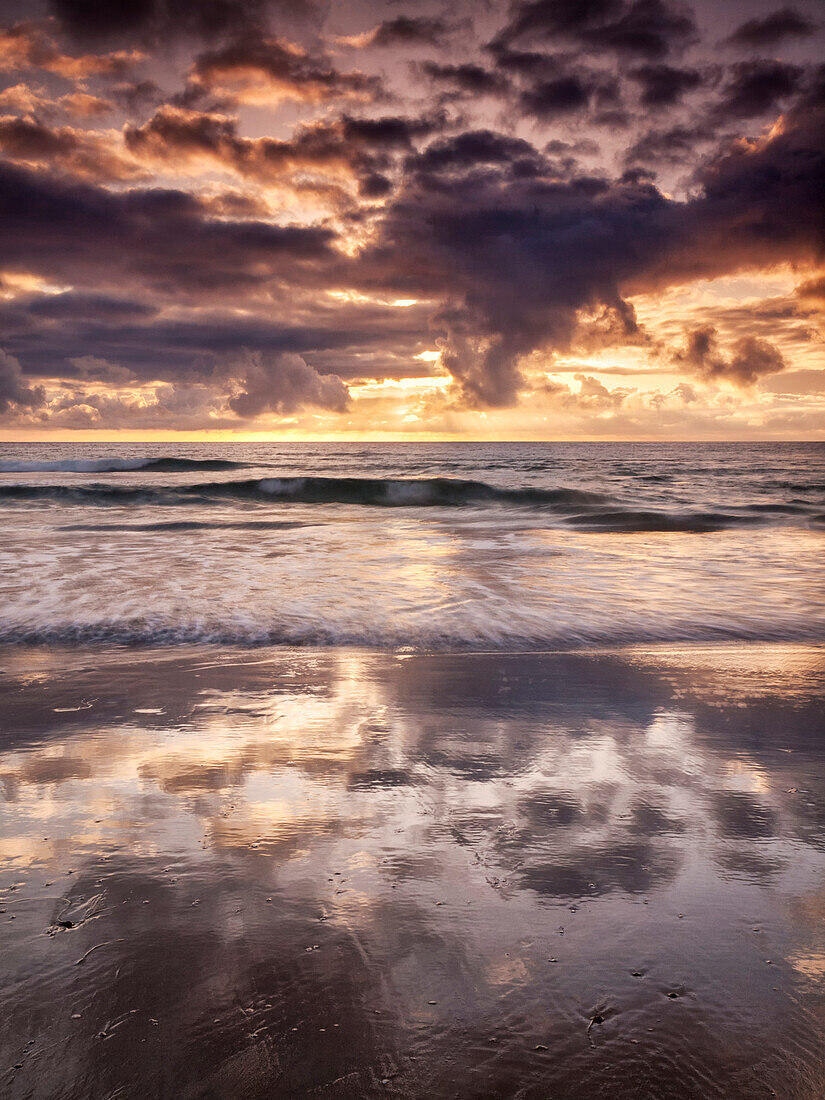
(28, 46)
(13, 390)
(676, 145)
(155, 22)
(468, 77)
(751, 358)
(757, 87)
(518, 260)
(161, 238)
(83, 154)
(360, 149)
(284, 384)
(772, 29)
(554, 97)
(264, 70)
(412, 218)
(644, 28)
(473, 149)
(405, 30)
(663, 85)
(520, 254)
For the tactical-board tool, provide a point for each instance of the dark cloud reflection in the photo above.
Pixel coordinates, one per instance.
(302, 869)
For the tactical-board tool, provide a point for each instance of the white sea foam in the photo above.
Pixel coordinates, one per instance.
(75, 465)
(483, 548)
(111, 465)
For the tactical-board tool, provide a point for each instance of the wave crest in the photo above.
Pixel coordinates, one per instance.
(593, 511)
(118, 465)
(374, 492)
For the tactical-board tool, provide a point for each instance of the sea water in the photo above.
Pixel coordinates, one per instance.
(420, 546)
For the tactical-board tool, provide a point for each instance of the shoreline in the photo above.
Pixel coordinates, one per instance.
(271, 650)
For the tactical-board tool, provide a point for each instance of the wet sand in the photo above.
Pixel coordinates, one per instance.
(339, 873)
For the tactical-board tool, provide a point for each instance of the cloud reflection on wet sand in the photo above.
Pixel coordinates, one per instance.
(342, 873)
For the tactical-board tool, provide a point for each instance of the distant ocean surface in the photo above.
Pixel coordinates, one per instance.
(419, 546)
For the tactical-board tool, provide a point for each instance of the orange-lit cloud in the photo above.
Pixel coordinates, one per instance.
(510, 223)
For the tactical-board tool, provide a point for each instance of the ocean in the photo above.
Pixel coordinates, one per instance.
(438, 770)
(426, 546)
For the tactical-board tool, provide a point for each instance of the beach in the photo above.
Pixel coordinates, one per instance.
(412, 513)
(343, 872)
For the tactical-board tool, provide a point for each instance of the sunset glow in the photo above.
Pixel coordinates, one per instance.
(334, 222)
(412, 494)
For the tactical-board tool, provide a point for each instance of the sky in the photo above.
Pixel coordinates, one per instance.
(410, 219)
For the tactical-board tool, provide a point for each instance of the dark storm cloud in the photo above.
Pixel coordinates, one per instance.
(675, 145)
(664, 85)
(608, 104)
(31, 140)
(386, 131)
(556, 147)
(245, 385)
(643, 28)
(467, 77)
(561, 96)
(60, 334)
(281, 69)
(100, 307)
(161, 238)
(751, 358)
(758, 204)
(361, 148)
(474, 149)
(547, 86)
(812, 291)
(755, 88)
(28, 45)
(482, 224)
(523, 63)
(405, 30)
(517, 257)
(156, 22)
(138, 95)
(772, 29)
(82, 153)
(13, 390)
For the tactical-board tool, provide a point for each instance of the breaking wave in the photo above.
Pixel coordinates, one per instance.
(375, 492)
(619, 519)
(118, 465)
(589, 510)
(426, 492)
